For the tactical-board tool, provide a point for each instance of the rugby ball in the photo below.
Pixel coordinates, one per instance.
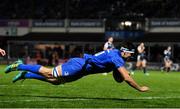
(117, 76)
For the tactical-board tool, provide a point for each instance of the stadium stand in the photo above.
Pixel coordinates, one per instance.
(114, 16)
(80, 9)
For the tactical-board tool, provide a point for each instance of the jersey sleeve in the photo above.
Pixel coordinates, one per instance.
(118, 62)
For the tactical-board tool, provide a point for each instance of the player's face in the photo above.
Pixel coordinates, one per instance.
(169, 48)
(126, 54)
(111, 39)
(142, 44)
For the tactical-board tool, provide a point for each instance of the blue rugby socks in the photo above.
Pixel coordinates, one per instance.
(31, 75)
(31, 68)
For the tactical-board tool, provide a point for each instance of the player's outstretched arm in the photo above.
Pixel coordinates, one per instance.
(2, 52)
(130, 81)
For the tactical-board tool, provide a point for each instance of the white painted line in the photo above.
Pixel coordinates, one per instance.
(43, 100)
(87, 99)
(152, 97)
(22, 85)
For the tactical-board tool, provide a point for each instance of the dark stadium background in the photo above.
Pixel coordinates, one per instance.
(82, 26)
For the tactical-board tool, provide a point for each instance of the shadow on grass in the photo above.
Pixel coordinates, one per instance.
(70, 98)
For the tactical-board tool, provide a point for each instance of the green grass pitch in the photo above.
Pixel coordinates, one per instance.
(93, 91)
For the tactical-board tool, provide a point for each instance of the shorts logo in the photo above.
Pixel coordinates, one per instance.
(66, 73)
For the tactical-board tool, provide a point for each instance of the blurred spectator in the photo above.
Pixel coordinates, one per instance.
(89, 49)
(2, 52)
(109, 44)
(167, 59)
(38, 57)
(55, 58)
(141, 59)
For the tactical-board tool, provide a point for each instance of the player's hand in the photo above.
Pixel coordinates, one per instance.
(2, 52)
(144, 89)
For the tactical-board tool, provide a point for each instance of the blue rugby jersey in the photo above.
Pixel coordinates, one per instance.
(104, 61)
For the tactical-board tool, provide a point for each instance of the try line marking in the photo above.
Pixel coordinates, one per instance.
(86, 99)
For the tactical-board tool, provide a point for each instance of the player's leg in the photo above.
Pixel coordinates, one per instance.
(29, 75)
(70, 71)
(72, 67)
(163, 66)
(17, 66)
(168, 65)
(13, 66)
(138, 64)
(144, 62)
(44, 74)
(134, 67)
(47, 73)
(139, 61)
(35, 72)
(38, 69)
(145, 69)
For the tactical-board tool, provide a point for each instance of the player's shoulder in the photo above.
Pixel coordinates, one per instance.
(115, 53)
(111, 51)
(115, 50)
